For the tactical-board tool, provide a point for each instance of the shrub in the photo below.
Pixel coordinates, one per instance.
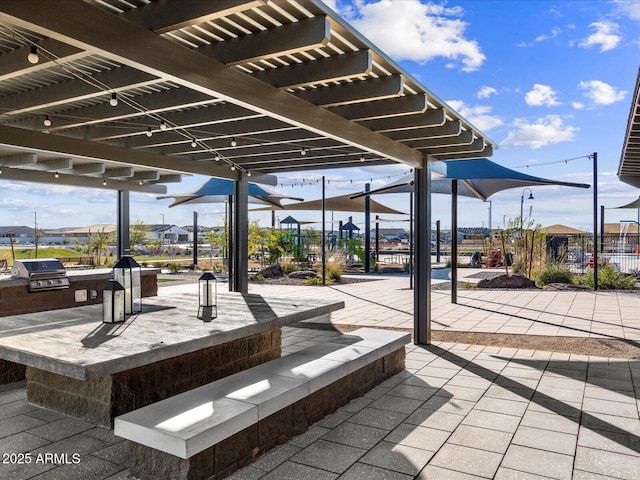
(317, 281)
(175, 267)
(334, 272)
(554, 274)
(289, 267)
(609, 278)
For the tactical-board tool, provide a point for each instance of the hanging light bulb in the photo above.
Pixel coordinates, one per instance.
(104, 182)
(303, 152)
(140, 182)
(47, 121)
(233, 167)
(163, 125)
(248, 173)
(233, 142)
(362, 158)
(217, 157)
(194, 143)
(33, 55)
(56, 175)
(0, 171)
(149, 132)
(114, 99)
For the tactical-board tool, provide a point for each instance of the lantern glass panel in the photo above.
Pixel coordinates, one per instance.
(113, 307)
(128, 272)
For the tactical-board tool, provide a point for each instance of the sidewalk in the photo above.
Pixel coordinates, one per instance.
(458, 411)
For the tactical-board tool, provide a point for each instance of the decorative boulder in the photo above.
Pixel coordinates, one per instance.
(303, 274)
(505, 281)
(272, 271)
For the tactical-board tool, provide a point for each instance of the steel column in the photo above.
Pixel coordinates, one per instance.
(422, 292)
(241, 234)
(124, 245)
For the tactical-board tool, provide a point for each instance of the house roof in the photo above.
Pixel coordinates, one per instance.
(210, 88)
(558, 229)
(629, 167)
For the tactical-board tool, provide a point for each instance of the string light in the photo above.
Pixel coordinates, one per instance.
(217, 157)
(194, 143)
(163, 125)
(104, 182)
(33, 55)
(114, 100)
(303, 152)
(149, 132)
(362, 158)
(0, 171)
(233, 142)
(565, 161)
(233, 167)
(56, 175)
(248, 173)
(47, 121)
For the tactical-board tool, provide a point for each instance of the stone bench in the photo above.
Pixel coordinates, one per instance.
(218, 428)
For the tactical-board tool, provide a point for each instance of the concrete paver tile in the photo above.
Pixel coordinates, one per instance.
(539, 462)
(307, 438)
(435, 419)
(431, 472)
(492, 421)
(18, 423)
(607, 463)
(481, 438)
(418, 437)
(545, 440)
(275, 457)
(548, 421)
(65, 427)
(360, 471)
(355, 435)
(627, 444)
(330, 456)
(296, 471)
(480, 463)
(374, 417)
(499, 405)
(246, 473)
(396, 404)
(399, 458)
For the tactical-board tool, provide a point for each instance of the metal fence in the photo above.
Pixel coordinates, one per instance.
(621, 251)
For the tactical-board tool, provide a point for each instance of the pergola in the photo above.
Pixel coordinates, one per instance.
(129, 95)
(629, 167)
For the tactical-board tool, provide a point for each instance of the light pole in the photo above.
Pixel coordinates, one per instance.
(522, 205)
(35, 231)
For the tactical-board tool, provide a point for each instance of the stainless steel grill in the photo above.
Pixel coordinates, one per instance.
(42, 273)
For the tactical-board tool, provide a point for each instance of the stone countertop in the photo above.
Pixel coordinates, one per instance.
(6, 280)
(74, 342)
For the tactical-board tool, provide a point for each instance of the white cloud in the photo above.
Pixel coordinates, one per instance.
(577, 105)
(606, 36)
(546, 130)
(542, 38)
(478, 115)
(417, 31)
(628, 8)
(486, 92)
(601, 93)
(541, 95)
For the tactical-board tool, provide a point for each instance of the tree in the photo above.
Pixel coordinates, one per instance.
(98, 243)
(138, 232)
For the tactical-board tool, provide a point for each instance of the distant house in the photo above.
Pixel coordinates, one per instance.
(390, 234)
(166, 233)
(563, 231)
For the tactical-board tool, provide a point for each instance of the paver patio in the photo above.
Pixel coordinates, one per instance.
(457, 411)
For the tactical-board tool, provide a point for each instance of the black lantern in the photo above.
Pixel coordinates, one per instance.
(207, 296)
(113, 307)
(128, 272)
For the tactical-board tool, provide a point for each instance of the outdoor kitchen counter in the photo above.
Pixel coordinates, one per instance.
(80, 366)
(16, 299)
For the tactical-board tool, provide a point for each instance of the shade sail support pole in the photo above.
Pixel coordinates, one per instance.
(241, 234)
(454, 241)
(422, 291)
(324, 235)
(124, 245)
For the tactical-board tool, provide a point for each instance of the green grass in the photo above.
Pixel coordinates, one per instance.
(44, 252)
(164, 280)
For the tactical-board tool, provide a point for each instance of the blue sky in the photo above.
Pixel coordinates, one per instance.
(547, 81)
